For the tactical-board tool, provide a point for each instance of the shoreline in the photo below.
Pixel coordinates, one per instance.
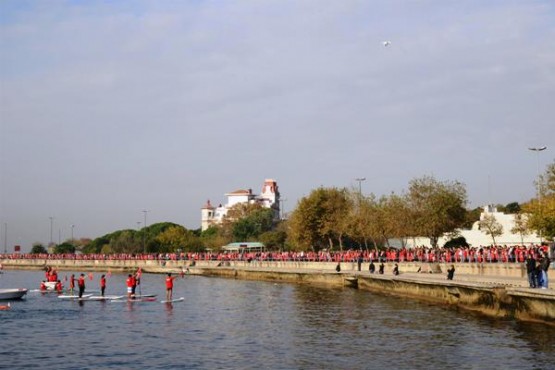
(499, 291)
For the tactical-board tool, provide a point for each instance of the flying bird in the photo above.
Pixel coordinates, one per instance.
(386, 43)
(538, 149)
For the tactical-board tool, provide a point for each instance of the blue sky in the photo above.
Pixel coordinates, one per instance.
(108, 108)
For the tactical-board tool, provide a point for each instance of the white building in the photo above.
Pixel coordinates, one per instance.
(269, 198)
(476, 237)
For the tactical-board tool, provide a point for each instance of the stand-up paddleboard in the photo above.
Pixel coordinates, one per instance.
(174, 300)
(84, 296)
(139, 296)
(105, 298)
(133, 300)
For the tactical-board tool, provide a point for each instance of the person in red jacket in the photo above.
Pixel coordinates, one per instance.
(130, 285)
(72, 283)
(81, 285)
(169, 286)
(59, 286)
(102, 285)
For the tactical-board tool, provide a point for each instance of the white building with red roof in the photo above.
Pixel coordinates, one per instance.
(269, 198)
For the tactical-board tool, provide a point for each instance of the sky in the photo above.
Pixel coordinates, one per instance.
(110, 108)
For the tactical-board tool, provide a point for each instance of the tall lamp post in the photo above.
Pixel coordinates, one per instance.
(51, 224)
(539, 189)
(5, 238)
(144, 235)
(360, 180)
(283, 208)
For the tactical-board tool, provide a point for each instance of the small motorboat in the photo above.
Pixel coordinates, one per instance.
(6, 294)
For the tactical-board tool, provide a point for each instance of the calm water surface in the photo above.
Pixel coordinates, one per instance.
(234, 324)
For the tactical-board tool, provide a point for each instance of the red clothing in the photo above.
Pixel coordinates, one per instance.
(131, 282)
(81, 281)
(169, 282)
(103, 282)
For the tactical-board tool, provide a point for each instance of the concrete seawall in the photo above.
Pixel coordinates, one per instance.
(497, 290)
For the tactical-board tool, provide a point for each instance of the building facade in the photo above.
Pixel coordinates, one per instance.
(268, 198)
(477, 237)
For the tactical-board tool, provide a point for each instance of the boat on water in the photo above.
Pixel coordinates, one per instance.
(16, 293)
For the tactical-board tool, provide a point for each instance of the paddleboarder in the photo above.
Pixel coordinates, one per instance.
(81, 285)
(102, 285)
(130, 286)
(72, 283)
(169, 286)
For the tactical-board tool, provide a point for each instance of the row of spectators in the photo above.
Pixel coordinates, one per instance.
(482, 254)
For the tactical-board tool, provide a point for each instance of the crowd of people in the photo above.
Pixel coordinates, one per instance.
(482, 254)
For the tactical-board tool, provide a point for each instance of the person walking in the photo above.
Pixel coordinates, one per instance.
(169, 286)
(81, 285)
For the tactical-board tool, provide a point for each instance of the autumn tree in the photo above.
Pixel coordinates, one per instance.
(541, 210)
(490, 226)
(520, 226)
(362, 220)
(320, 219)
(177, 238)
(438, 207)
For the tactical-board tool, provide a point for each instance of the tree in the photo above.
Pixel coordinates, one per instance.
(490, 226)
(439, 207)
(126, 241)
(362, 217)
(520, 227)
(399, 218)
(38, 248)
(320, 219)
(542, 209)
(64, 248)
(471, 217)
(251, 226)
(512, 208)
(177, 237)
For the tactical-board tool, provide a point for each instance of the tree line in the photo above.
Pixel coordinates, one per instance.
(337, 219)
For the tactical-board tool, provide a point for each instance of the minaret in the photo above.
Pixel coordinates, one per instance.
(207, 215)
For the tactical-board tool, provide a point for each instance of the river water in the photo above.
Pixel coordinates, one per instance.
(235, 324)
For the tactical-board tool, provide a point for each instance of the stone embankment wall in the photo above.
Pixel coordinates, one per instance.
(494, 297)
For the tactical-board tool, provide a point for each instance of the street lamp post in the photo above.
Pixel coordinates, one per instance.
(283, 208)
(51, 225)
(144, 235)
(538, 187)
(360, 180)
(72, 226)
(5, 238)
